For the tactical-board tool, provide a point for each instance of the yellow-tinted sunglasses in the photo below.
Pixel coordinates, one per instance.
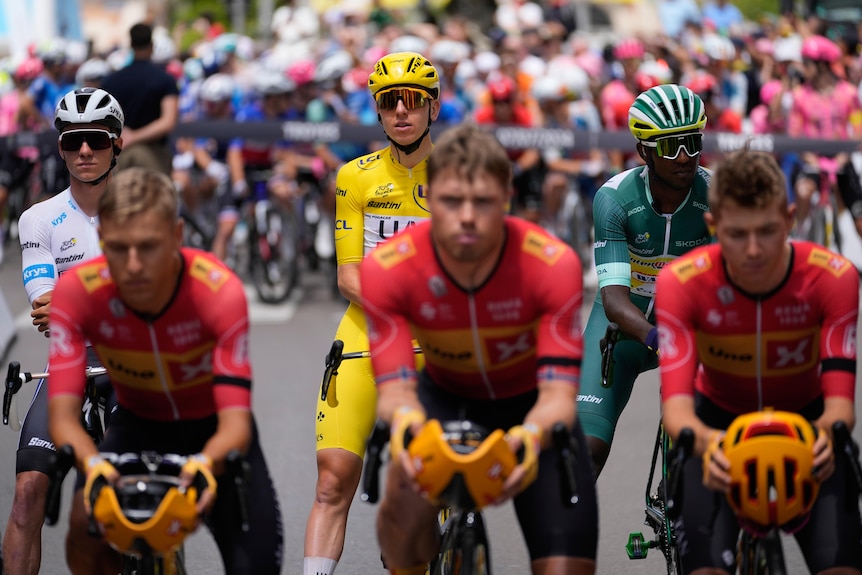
(412, 99)
(669, 147)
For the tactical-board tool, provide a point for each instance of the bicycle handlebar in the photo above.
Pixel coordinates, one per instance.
(681, 451)
(845, 444)
(562, 441)
(607, 344)
(333, 361)
(15, 379)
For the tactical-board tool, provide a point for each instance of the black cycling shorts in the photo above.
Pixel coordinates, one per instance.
(256, 552)
(549, 528)
(35, 448)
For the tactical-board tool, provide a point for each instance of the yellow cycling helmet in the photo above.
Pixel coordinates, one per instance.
(146, 511)
(404, 70)
(771, 467)
(460, 464)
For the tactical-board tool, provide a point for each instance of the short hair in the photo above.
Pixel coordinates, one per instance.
(749, 179)
(134, 191)
(469, 150)
(141, 35)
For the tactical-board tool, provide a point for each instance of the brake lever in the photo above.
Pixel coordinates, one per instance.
(333, 361)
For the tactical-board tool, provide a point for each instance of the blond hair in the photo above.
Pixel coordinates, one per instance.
(134, 191)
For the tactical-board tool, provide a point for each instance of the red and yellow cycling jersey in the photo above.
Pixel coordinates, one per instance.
(782, 350)
(492, 342)
(188, 362)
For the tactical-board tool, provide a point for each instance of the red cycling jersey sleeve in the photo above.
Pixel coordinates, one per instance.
(521, 326)
(799, 341)
(188, 362)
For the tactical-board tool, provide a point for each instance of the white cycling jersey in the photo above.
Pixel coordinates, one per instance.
(55, 235)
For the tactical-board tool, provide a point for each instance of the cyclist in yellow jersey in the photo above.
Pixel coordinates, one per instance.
(377, 196)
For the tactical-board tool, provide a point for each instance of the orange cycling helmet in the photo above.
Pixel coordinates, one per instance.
(771, 467)
(146, 512)
(460, 464)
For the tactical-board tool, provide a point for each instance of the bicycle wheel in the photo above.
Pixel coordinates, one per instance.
(274, 258)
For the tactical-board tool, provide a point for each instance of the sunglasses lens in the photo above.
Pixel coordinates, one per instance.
(670, 147)
(96, 140)
(412, 99)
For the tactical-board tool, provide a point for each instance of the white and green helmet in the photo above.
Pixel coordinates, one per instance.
(666, 109)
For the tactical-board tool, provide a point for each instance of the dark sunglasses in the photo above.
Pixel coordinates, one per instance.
(72, 140)
(669, 147)
(412, 99)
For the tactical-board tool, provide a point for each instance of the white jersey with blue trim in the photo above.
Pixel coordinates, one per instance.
(55, 236)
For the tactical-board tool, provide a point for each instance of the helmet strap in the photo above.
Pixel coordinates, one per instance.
(410, 148)
(98, 180)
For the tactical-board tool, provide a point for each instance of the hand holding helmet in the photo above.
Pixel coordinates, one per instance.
(526, 441)
(197, 473)
(99, 474)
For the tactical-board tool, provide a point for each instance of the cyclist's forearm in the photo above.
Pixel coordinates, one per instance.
(348, 282)
(234, 432)
(620, 309)
(836, 409)
(64, 425)
(394, 395)
(555, 403)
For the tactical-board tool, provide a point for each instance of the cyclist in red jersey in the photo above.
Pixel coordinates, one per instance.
(171, 327)
(494, 302)
(752, 322)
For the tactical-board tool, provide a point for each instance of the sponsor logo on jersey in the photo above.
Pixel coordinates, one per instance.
(642, 238)
(185, 333)
(691, 267)
(793, 314)
(68, 244)
(420, 197)
(462, 355)
(384, 190)
(600, 244)
(69, 259)
(642, 251)
(94, 276)
(340, 192)
(388, 226)
(211, 274)
(834, 263)
(394, 252)
(38, 271)
(375, 205)
(145, 370)
(543, 247)
(43, 443)
(691, 243)
(590, 398)
(700, 206)
(636, 210)
(365, 163)
(506, 310)
(58, 220)
(28, 245)
(437, 285)
(72, 204)
(342, 225)
(783, 353)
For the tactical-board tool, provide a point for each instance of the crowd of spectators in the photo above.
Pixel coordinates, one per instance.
(533, 68)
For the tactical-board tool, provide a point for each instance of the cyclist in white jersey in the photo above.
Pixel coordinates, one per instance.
(56, 235)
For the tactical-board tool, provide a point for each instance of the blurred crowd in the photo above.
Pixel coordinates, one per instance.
(532, 68)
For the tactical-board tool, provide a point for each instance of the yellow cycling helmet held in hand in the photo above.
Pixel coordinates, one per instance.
(771, 468)
(147, 511)
(458, 463)
(404, 70)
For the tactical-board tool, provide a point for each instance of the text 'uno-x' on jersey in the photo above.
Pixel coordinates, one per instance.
(799, 340)
(376, 198)
(55, 236)
(633, 242)
(188, 362)
(487, 343)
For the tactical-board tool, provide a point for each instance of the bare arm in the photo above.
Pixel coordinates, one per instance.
(555, 403)
(348, 282)
(64, 424)
(41, 310)
(233, 432)
(620, 309)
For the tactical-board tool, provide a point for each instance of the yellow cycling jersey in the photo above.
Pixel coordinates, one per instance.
(376, 197)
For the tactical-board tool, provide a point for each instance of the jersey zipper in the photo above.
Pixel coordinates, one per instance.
(160, 367)
(480, 358)
(757, 352)
(665, 253)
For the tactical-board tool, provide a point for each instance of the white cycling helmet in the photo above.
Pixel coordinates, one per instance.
(217, 88)
(548, 89)
(333, 67)
(94, 69)
(89, 106)
(269, 82)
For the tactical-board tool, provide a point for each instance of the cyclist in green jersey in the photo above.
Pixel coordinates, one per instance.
(644, 218)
